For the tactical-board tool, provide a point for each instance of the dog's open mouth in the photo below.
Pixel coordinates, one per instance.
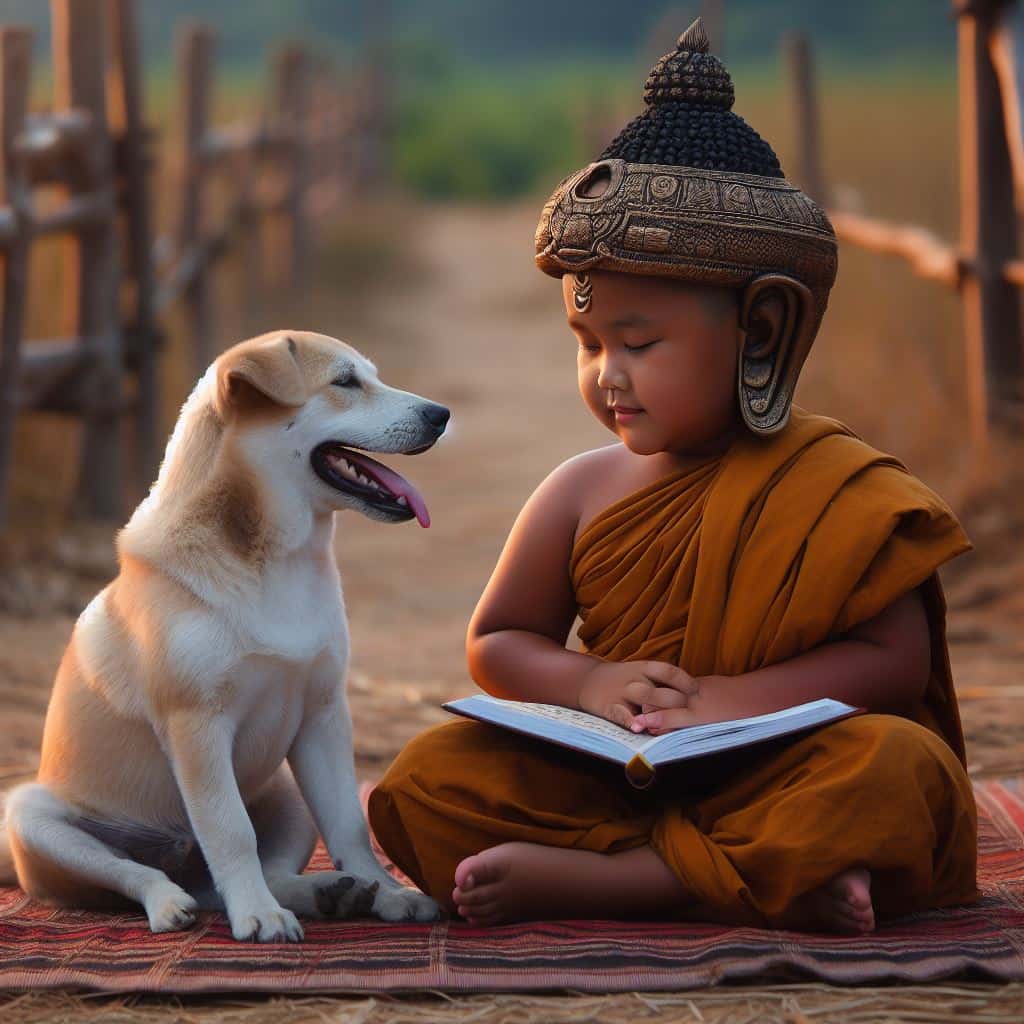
(365, 478)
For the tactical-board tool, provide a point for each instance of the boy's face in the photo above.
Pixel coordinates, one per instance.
(657, 360)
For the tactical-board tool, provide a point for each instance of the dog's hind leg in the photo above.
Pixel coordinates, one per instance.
(60, 863)
(285, 836)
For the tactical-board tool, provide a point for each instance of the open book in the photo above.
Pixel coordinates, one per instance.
(641, 753)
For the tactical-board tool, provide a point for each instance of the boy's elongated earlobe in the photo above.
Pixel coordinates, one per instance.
(268, 370)
(777, 317)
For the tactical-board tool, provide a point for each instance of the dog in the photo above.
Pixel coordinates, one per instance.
(198, 736)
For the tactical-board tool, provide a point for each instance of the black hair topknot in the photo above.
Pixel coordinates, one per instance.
(688, 120)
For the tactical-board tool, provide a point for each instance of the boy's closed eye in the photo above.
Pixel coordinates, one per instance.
(589, 347)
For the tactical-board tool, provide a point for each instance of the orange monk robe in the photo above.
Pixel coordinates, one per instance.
(748, 560)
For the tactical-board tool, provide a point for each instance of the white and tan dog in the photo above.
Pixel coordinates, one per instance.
(201, 697)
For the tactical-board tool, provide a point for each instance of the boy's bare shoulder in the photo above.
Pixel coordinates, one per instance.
(581, 473)
(586, 483)
(530, 588)
(610, 456)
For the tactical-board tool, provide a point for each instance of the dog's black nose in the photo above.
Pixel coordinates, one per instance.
(435, 415)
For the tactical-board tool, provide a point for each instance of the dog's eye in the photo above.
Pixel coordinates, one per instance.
(347, 380)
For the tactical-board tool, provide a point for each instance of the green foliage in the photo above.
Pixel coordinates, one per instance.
(465, 133)
(484, 139)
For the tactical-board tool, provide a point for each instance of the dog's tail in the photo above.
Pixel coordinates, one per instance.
(8, 874)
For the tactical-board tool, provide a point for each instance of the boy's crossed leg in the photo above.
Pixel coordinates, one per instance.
(519, 881)
(832, 831)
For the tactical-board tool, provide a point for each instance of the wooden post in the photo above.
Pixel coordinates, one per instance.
(346, 156)
(15, 75)
(1006, 47)
(1006, 50)
(988, 228)
(195, 61)
(79, 63)
(343, 145)
(126, 106)
(800, 64)
(291, 102)
(246, 166)
(360, 126)
(325, 168)
(377, 93)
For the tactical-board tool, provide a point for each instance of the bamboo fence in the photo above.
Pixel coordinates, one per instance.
(983, 267)
(289, 166)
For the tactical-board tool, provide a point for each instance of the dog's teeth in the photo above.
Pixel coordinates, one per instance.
(346, 468)
(402, 500)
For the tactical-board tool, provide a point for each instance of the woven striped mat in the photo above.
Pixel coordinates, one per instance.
(45, 948)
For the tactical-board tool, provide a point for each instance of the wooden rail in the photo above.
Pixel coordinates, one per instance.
(286, 167)
(983, 267)
(928, 255)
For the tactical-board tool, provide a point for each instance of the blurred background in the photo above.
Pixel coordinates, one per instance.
(444, 127)
(495, 100)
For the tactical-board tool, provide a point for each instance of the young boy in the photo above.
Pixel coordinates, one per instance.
(731, 556)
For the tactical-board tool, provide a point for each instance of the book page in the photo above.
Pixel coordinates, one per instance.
(584, 731)
(584, 720)
(740, 731)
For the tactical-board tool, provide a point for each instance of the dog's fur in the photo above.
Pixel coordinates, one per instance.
(198, 735)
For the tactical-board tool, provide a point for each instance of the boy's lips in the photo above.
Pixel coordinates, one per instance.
(624, 412)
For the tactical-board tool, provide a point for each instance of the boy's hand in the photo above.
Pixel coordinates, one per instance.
(716, 702)
(617, 690)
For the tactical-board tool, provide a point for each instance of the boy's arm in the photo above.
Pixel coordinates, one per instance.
(515, 644)
(883, 665)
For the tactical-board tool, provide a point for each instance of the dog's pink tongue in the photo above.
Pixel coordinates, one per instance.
(397, 485)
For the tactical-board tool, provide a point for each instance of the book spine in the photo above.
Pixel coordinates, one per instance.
(639, 771)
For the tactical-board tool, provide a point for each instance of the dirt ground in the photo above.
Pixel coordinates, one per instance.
(463, 318)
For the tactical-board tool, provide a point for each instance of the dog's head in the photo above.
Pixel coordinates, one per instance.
(299, 403)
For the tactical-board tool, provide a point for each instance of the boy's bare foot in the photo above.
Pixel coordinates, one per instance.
(842, 905)
(527, 881)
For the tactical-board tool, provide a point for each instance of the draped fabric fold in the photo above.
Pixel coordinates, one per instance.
(743, 561)
(767, 553)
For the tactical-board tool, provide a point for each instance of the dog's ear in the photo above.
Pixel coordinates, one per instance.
(255, 373)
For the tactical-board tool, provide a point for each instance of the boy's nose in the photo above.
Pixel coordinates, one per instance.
(611, 377)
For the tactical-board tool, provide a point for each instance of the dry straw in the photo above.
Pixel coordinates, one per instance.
(772, 1004)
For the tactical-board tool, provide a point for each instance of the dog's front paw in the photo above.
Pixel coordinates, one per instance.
(402, 904)
(345, 896)
(169, 908)
(265, 923)
(331, 894)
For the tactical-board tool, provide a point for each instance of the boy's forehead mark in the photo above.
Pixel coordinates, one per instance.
(582, 292)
